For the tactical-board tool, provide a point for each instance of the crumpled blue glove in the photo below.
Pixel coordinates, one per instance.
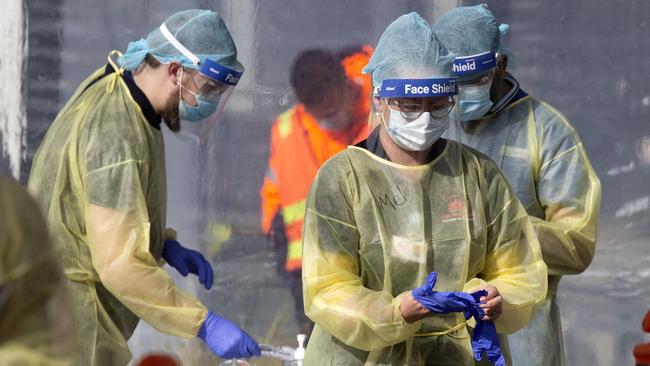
(188, 261)
(484, 338)
(226, 339)
(447, 302)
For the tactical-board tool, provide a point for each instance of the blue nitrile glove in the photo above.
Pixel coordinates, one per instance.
(484, 338)
(226, 339)
(188, 261)
(445, 302)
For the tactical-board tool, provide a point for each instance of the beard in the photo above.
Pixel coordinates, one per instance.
(171, 118)
(171, 115)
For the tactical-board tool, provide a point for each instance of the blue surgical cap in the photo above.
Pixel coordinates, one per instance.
(202, 32)
(470, 30)
(408, 49)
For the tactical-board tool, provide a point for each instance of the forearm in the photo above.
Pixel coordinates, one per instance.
(359, 317)
(566, 250)
(119, 248)
(516, 268)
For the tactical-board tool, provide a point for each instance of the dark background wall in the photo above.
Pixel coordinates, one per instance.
(45, 24)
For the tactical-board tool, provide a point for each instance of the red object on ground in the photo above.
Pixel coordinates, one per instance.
(642, 354)
(642, 351)
(158, 360)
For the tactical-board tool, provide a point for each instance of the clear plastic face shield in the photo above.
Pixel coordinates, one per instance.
(475, 74)
(416, 112)
(203, 92)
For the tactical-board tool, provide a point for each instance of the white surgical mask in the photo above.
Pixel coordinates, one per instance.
(474, 101)
(418, 134)
(327, 124)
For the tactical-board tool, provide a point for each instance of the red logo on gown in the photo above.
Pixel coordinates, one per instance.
(455, 209)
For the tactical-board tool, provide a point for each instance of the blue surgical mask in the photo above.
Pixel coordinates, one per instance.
(475, 101)
(203, 110)
(327, 124)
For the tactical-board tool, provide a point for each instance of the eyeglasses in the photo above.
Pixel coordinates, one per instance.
(412, 108)
(483, 80)
(207, 87)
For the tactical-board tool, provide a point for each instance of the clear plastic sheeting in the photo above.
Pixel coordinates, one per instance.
(590, 65)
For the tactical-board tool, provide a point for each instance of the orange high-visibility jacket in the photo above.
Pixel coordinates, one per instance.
(299, 146)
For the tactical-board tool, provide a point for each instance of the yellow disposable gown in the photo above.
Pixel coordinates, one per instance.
(547, 166)
(373, 231)
(36, 322)
(100, 177)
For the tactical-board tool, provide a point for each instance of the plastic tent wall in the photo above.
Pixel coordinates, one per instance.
(588, 60)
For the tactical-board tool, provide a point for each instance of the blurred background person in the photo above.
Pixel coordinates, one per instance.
(36, 321)
(542, 156)
(332, 113)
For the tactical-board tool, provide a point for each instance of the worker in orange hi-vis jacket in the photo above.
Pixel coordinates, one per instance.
(332, 113)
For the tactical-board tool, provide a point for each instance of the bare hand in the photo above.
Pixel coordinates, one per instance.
(492, 307)
(412, 310)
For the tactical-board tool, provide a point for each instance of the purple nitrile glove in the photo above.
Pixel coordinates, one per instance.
(484, 337)
(227, 339)
(188, 261)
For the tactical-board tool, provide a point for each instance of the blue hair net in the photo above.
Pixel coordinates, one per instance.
(470, 30)
(202, 32)
(408, 49)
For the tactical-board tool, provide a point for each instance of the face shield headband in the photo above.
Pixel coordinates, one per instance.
(418, 88)
(208, 68)
(474, 64)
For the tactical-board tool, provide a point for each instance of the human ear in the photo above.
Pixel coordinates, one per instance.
(173, 71)
(376, 102)
(502, 62)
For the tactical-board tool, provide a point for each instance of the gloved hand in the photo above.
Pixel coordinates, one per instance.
(484, 337)
(188, 261)
(226, 339)
(448, 302)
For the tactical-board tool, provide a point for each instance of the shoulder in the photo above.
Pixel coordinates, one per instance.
(338, 165)
(555, 133)
(337, 171)
(21, 214)
(114, 132)
(473, 157)
(14, 195)
(486, 172)
(549, 119)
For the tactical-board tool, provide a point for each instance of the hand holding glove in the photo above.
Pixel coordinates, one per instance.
(447, 302)
(476, 304)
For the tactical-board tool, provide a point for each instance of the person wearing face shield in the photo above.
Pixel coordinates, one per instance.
(384, 215)
(99, 175)
(332, 112)
(542, 156)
